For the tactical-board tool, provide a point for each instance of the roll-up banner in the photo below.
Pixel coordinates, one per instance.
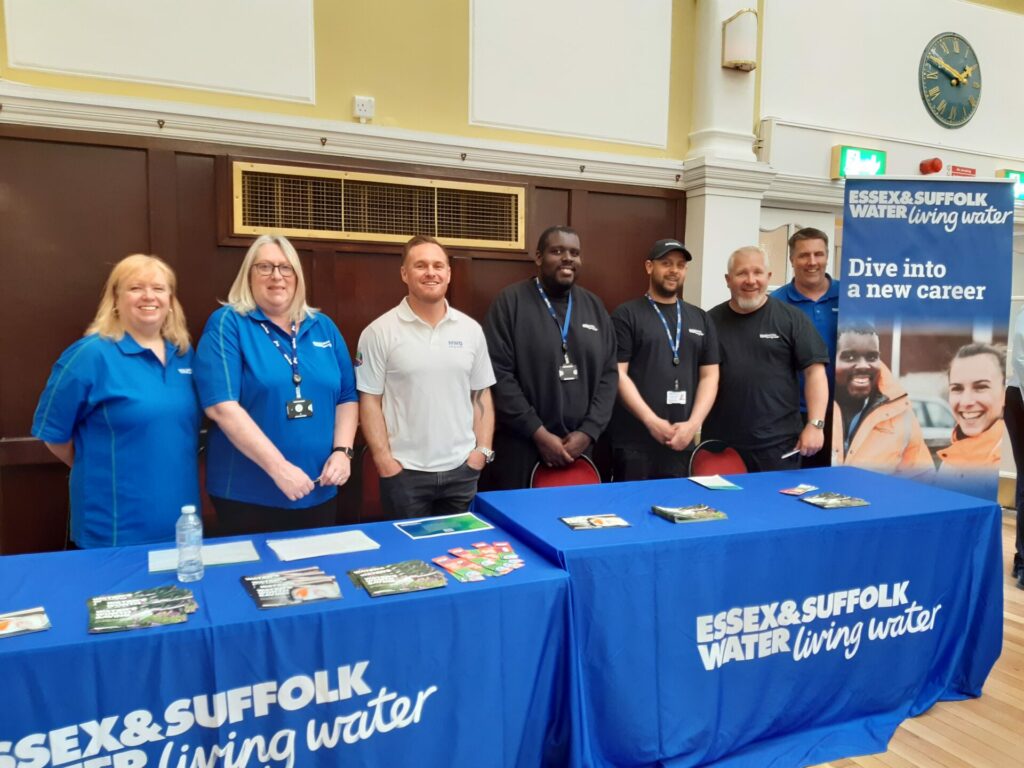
(923, 317)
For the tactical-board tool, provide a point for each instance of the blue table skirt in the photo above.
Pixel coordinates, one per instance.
(472, 673)
(647, 696)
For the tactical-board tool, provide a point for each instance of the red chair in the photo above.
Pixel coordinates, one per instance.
(715, 457)
(580, 472)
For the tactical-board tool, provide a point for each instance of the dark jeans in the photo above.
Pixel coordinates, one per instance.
(239, 517)
(770, 459)
(412, 493)
(1013, 415)
(653, 463)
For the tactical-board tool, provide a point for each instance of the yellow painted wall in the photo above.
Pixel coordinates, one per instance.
(412, 56)
(1016, 6)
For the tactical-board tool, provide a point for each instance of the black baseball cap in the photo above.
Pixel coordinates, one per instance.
(665, 247)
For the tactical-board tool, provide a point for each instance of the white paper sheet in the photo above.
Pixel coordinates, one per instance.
(323, 544)
(213, 554)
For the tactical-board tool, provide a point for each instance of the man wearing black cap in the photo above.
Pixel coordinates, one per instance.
(553, 350)
(668, 372)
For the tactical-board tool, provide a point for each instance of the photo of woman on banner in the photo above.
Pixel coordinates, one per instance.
(874, 423)
(976, 396)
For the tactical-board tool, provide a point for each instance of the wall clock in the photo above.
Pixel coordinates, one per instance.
(950, 80)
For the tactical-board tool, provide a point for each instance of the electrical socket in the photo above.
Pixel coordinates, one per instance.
(362, 108)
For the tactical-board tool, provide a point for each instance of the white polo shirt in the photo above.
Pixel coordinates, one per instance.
(426, 376)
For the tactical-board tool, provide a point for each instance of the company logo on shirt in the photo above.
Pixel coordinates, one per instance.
(358, 359)
(696, 331)
(769, 335)
(454, 344)
(185, 371)
(323, 344)
(590, 327)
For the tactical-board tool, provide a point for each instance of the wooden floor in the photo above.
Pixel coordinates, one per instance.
(987, 732)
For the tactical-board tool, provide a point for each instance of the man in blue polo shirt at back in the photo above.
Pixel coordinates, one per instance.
(815, 293)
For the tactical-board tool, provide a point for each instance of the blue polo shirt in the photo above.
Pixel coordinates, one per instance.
(135, 426)
(824, 314)
(237, 360)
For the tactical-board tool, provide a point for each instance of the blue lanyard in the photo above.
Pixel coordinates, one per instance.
(551, 311)
(672, 344)
(292, 359)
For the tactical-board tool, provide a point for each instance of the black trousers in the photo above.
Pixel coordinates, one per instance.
(235, 518)
(1013, 415)
(770, 459)
(514, 460)
(412, 493)
(654, 462)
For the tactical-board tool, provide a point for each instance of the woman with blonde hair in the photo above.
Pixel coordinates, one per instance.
(121, 411)
(275, 377)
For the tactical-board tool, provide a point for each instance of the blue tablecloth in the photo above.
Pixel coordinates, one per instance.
(672, 675)
(469, 674)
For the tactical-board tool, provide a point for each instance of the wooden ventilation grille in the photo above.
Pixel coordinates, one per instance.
(340, 205)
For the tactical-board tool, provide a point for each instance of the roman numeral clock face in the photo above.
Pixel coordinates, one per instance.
(950, 80)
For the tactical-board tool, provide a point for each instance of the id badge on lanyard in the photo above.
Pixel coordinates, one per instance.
(568, 370)
(299, 407)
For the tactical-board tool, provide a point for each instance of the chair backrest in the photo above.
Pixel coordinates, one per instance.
(715, 457)
(580, 472)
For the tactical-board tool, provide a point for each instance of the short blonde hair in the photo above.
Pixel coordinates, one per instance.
(240, 296)
(107, 322)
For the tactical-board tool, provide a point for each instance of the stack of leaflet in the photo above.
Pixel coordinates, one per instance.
(152, 607)
(396, 578)
(294, 587)
(22, 622)
(833, 500)
(483, 561)
(695, 513)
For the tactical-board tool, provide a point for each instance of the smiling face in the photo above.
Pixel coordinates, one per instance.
(560, 262)
(427, 273)
(667, 275)
(143, 301)
(274, 292)
(858, 365)
(747, 280)
(808, 258)
(976, 392)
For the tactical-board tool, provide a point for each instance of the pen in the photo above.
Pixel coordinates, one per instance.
(794, 452)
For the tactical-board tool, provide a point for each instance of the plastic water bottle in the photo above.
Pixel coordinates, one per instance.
(189, 536)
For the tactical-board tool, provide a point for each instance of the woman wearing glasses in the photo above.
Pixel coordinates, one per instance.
(275, 377)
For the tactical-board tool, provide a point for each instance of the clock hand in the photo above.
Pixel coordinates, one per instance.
(940, 63)
(967, 73)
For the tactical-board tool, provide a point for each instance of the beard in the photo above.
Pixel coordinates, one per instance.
(750, 304)
(661, 291)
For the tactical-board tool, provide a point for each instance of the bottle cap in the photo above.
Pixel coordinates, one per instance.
(188, 509)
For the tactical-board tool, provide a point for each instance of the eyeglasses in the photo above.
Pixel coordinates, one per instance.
(266, 269)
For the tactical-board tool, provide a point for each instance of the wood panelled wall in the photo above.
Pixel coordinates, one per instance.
(72, 204)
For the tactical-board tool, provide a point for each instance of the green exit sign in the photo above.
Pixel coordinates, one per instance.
(1018, 178)
(856, 161)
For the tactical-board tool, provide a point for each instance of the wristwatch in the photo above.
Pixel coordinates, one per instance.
(819, 423)
(344, 449)
(487, 452)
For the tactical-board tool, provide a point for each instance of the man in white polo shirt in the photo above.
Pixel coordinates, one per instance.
(424, 378)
